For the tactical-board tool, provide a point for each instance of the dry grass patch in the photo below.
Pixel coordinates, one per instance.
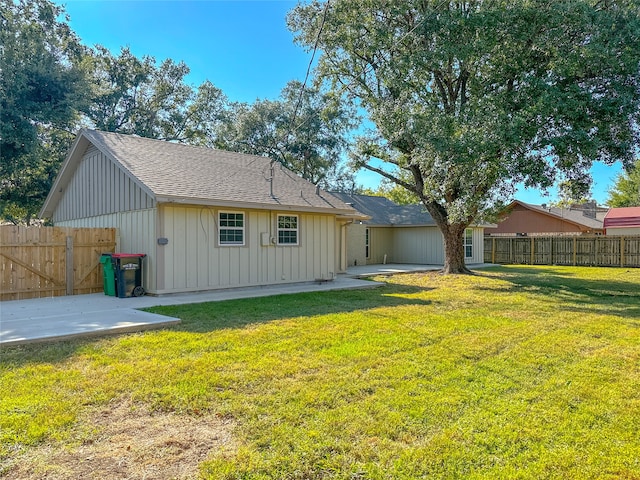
(128, 441)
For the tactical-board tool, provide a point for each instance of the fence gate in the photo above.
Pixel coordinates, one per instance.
(51, 261)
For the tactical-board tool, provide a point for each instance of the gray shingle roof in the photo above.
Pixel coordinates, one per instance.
(205, 175)
(385, 212)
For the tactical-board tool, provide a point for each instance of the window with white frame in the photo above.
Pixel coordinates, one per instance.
(287, 230)
(468, 243)
(231, 228)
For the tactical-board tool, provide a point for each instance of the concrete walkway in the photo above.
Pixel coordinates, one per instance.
(55, 318)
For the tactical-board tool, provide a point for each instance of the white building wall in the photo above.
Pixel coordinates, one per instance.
(193, 259)
(619, 231)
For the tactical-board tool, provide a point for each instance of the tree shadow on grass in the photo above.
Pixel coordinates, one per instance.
(229, 314)
(572, 293)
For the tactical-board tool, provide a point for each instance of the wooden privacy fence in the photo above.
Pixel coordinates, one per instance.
(564, 250)
(52, 261)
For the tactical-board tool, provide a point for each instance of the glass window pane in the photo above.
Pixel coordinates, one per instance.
(231, 228)
(287, 229)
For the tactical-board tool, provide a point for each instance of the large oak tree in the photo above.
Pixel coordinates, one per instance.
(470, 98)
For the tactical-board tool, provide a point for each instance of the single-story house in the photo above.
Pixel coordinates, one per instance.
(524, 219)
(622, 221)
(206, 218)
(400, 234)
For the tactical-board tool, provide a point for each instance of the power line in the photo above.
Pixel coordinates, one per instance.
(306, 78)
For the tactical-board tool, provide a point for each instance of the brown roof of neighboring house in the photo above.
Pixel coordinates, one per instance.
(572, 214)
(173, 172)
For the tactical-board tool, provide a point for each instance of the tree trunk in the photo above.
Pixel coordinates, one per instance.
(454, 250)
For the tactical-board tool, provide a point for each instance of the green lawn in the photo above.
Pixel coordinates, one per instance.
(517, 372)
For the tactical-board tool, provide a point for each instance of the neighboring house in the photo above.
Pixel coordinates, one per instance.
(520, 219)
(206, 218)
(622, 221)
(400, 234)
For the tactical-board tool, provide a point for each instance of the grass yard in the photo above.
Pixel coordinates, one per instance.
(517, 372)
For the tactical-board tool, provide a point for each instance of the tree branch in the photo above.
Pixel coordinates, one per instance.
(391, 177)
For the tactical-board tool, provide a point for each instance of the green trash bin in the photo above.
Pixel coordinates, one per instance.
(108, 275)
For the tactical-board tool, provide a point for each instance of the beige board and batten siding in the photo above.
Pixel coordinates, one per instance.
(136, 234)
(478, 247)
(342, 233)
(380, 245)
(418, 245)
(421, 245)
(356, 244)
(99, 187)
(193, 259)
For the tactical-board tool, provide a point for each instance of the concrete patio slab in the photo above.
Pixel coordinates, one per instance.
(54, 318)
(360, 271)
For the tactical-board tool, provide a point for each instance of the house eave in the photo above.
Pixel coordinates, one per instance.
(209, 202)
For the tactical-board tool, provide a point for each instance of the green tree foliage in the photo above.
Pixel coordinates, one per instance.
(42, 88)
(136, 96)
(471, 98)
(626, 190)
(397, 193)
(573, 192)
(305, 130)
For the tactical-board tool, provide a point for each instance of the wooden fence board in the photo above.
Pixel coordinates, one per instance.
(33, 260)
(605, 251)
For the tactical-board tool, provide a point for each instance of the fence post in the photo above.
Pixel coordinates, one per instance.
(493, 250)
(69, 266)
(621, 251)
(533, 251)
(575, 250)
(511, 251)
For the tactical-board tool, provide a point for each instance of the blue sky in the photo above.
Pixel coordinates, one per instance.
(242, 46)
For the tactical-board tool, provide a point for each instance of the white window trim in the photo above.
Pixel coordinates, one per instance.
(465, 244)
(243, 229)
(278, 229)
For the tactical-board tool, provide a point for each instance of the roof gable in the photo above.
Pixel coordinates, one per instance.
(576, 217)
(172, 172)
